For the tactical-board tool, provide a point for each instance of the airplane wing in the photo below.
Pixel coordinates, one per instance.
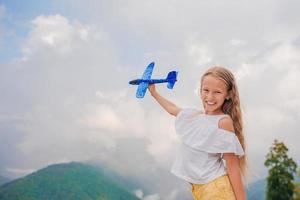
(148, 71)
(142, 88)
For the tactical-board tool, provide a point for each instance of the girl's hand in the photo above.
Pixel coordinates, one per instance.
(151, 88)
(166, 104)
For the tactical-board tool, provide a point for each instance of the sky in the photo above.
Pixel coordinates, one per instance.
(65, 67)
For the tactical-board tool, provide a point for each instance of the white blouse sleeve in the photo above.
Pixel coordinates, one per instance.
(197, 134)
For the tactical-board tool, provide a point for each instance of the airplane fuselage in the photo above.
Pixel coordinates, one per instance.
(149, 81)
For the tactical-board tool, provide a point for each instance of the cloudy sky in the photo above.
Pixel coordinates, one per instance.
(65, 67)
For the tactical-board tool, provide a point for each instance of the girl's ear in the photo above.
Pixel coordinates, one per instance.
(228, 96)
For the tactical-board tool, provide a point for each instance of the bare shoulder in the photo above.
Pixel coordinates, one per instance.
(226, 123)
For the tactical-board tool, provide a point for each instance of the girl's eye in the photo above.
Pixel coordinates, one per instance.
(217, 92)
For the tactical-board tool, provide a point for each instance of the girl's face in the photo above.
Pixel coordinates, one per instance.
(213, 94)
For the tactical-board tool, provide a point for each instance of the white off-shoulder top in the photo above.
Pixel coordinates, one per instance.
(199, 159)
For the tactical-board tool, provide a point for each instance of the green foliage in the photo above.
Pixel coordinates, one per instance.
(72, 181)
(281, 173)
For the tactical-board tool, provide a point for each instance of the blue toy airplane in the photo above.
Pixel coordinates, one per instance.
(146, 80)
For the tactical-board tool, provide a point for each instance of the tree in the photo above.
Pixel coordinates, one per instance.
(281, 173)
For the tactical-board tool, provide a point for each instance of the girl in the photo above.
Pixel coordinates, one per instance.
(211, 157)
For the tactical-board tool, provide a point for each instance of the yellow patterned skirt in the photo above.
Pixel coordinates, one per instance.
(218, 189)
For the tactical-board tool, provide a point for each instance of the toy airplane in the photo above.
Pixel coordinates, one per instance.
(146, 80)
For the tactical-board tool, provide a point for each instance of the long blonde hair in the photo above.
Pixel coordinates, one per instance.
(231, 107)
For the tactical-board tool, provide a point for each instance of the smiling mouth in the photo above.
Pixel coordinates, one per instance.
(210, 103)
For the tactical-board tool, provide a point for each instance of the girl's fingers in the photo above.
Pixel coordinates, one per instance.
(151, 87)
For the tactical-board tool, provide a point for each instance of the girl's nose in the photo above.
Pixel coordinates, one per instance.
(209, 96)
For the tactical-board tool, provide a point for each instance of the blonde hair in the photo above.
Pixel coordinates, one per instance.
(231, 107)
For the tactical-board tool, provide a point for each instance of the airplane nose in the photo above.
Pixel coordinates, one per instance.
(134, 82)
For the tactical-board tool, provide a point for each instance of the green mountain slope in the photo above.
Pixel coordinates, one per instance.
(73, 181)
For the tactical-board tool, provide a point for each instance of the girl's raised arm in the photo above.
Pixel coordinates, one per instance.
(170, 107)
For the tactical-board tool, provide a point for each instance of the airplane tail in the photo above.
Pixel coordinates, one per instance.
(172, 78)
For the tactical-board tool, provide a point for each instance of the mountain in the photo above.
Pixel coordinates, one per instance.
(72, 181)
(3, 180)
(257, 190)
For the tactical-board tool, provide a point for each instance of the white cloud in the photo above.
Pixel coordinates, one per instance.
(237, 42)
(244, 70)
(162, 135)
(152, 197)
(139, 193)
(130, 119)
(114, 96)
(199, 54)
(103, 117)
(56, 36)
(50, 32)
(16, 172)
(288, 89)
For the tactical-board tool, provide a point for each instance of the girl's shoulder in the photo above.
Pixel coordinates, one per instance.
(226, 123)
